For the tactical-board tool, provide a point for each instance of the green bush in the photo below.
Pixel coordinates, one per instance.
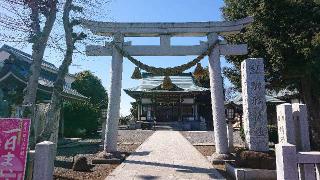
(80, 119)
(272, 132)
(124, 120)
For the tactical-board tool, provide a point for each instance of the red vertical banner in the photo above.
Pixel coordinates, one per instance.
(14, 138)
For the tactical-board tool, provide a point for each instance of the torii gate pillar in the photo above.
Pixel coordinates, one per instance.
(111, 130)
(217, 101)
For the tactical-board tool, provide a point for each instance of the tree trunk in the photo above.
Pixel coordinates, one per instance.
(52, 117)
(313, 106)
(39, 39)
(51, 129)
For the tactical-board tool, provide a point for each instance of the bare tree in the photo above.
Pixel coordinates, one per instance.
(29, 21)
(51, 129)
(72, 35)
(39, 39)
(63, 38)
(15, 23)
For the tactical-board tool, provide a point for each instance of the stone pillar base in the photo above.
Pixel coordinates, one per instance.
(217, 158)
(109, 158)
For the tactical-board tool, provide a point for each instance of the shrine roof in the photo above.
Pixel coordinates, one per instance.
(149, 83)
(269, 99)
(14, 69)
(28, 58)
(8, 74)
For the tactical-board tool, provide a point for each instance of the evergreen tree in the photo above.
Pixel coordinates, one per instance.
(286, 34)
(90, 85)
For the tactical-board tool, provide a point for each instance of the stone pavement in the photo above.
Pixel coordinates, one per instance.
(165, 155)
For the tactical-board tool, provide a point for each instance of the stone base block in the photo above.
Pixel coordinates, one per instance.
(220, 158)
(109, 158)
(250, 174)
(186, 126)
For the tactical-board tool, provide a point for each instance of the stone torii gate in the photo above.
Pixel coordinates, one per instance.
(165, 31)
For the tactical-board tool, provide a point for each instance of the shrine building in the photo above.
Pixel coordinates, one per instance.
(170, 100)
(14, 72)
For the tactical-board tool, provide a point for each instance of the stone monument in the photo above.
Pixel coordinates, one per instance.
(44, 161)
(300, 118)
(286, 128)
(293, 125)
(293, 129)
(254, 104)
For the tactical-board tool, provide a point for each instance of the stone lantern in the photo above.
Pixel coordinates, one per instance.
(230, 111)
(104, 113)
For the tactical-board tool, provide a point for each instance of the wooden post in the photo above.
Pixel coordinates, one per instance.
(241, 125)
(180, 109)
(138, 110)
(197, 114)
(172, 112)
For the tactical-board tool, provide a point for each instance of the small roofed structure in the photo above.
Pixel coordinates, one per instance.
(177, 104)
(271, 101)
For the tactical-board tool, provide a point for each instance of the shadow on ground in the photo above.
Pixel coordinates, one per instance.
(143, 153)
(185, 169)
(148, 177)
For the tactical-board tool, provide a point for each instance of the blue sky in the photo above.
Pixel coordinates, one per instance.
(145, 11)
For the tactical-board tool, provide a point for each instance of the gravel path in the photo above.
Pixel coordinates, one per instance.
(207, 137)
(133, 136)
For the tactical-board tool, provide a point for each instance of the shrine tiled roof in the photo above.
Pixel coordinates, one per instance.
(68, 91)
(16, 69)
(269, 99)
(28, 58)
(184, 82)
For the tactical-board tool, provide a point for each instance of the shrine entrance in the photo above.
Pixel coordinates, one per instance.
(166, 113)
(214, 47)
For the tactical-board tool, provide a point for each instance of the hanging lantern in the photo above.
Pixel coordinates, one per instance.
(136, 74)
(167, 83)
(199, 71)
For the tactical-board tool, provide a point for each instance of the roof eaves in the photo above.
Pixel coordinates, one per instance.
(28, 58)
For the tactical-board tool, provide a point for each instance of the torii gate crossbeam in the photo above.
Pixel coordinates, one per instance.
(191, 29)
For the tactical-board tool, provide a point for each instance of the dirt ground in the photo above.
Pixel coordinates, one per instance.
(208, 151)
(128, 142)
(63, 165)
